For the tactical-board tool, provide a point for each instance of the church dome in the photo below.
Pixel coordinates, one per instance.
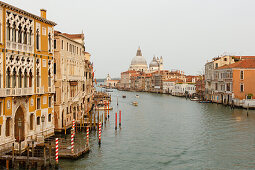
(154, 62)
(139, 59)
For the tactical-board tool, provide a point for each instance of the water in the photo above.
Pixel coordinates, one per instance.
(166, 132)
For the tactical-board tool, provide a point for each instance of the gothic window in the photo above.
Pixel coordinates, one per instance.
(49, 118)
(8, 78)
(8, 31)
(19, 34)
(25, 79)
(37, 39)
(14, 32)
(25, 36)
(30, 37)
(30, 78)
(37, 78)
(49, 42)
(20, 79)
(14, 78)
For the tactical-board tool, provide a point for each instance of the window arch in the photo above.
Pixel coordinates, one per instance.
(20, 79)
(49, 42)
(25, 78)
(25, 35)
(19, 34)
(8, 78)
(14, 74)
(37, 39)
(8, 31)
(37, 78)
(14, 32)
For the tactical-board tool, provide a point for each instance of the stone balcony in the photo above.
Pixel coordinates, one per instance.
(19, 47)
(51, 89)
(39, 90)
(5, 92)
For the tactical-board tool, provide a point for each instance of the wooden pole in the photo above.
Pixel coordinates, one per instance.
(28, 156)
(33, 148)
(120, 118)
(13, 155)
(44, 155)
(65, 131)
(248, 110)
(95, 121)
(99, 136)
(50, 153)
(7, 164)
(116, 121)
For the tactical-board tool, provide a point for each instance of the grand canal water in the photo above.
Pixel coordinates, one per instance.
(166, 132)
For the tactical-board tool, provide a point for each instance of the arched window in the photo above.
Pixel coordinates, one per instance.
(19, 34)
(14, 78)
(8, 31)
(37, 78)
(8, 78)
(30, 78)
(49, 43)
(20, 79)
(30, 37)
(37, 39)
(49, 79)
(25, 36)
(14, 32)
(25, 78)
(49, 118)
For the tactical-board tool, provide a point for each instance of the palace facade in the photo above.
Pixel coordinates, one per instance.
(26, 76)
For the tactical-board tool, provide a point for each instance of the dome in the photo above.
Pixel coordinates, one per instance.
(139, 59)
(154, 62)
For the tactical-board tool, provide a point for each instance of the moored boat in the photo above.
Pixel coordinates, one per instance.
(135, 104)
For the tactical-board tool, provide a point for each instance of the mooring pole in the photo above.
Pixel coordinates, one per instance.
(13, 155)
(99, 136)
(116, 121)
(120, 118)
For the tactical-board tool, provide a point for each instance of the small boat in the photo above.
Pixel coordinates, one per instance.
(194, 99)
(205, 101)
(135, 104)
(137, 96)
(109, 91)
(104, 108)
(124, 96)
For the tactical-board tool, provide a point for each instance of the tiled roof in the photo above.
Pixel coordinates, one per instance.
(174, 80)
(74, 36)
(249, 63)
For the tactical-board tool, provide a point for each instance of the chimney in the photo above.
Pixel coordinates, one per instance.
(43, 13)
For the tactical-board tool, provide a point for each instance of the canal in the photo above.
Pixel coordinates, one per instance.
(166, 132)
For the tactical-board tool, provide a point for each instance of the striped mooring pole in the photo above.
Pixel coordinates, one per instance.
(87, 136)
(73, 127)
(72, 143)
(99, 136)
(120, 118)
(56, 150)
(116, 121)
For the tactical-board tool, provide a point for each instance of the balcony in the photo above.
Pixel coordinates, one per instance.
(16, 92)
(74, 78)
(39, 90)
(51, 89)
(19, 47)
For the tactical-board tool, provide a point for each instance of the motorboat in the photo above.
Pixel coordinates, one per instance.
(135, 103)
(137, 96)
(124, 96)
(194, 99)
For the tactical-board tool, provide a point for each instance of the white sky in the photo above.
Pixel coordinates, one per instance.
(186, 33)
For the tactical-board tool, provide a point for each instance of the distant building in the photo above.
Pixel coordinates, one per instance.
(111, 83)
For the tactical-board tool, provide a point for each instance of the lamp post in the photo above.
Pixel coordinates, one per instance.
(19, 126)
(43, 119)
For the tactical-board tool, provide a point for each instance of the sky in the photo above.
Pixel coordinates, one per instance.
(186, 33)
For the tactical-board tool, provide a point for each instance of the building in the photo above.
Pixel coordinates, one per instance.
(234, 84)
(200, 87)
(26, 77)
(109, 83)
(73, 79)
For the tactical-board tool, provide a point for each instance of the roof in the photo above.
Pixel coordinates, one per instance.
(129, 71)
(249, 63)
(65, 35)
(21, 11)
(74, 36)
(174, 80)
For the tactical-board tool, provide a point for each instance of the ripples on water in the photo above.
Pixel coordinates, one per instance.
(166, 132)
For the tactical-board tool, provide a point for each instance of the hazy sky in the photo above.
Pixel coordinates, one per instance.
(186, 33)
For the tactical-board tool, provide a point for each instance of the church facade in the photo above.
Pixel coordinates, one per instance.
(139, 63)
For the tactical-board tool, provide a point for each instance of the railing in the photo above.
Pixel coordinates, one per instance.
(75, 77)
(39, 90)
(51, 89)
(18, 46)
(16, 92)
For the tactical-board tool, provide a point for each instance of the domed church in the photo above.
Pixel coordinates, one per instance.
(139, 63)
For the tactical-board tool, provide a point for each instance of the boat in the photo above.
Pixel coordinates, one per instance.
(194, 99)
(124, 96)
(135, 104)
(137, 96)
(103, 108)
(109, 91)
(205, 101)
